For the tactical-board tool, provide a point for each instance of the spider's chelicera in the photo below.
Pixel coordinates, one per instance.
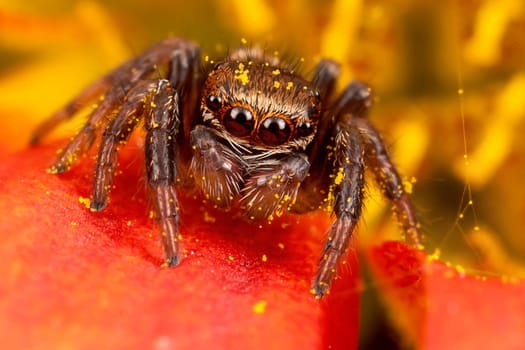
(248, 132)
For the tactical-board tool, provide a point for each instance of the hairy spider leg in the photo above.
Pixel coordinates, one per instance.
(346, 194)
(325, 79)
(115, 135)
(173, 108)
(357, 100)
(390, 182)
(100, 117)
(124, 78)
(185, 76)
(354, 140)
(162, 125)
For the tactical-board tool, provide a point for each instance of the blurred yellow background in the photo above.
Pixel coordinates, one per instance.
(449, 78)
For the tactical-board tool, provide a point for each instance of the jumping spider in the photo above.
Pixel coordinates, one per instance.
(248, 132)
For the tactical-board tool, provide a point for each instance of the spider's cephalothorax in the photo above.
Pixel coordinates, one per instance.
(249, 133)
(257, 121)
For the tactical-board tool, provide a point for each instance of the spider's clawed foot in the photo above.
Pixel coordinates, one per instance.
(326, 272)
(97, 206)
(172, 261)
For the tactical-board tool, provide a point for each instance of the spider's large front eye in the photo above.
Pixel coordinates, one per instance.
(274, 131)
(239, 121)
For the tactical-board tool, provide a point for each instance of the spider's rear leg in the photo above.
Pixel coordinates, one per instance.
(357, 100)
(83, 140)
(116, 135)
(325, 79)
(346, 195)
(162, 126)
(114, 87)
(390, 181)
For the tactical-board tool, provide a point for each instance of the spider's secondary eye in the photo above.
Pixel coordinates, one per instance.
(274, 131)
(239, 121)
(304, 129)
(214, 102)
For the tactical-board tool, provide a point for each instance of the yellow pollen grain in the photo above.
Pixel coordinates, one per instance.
(276, 72)
(281, 246)
(407, 185)
(85, 201)
(230, 257)
(73, 223)
(259, 307)
(209, 218)
(340, 176)
(241, 74)
(460, 269)
(289, 85)
(244, 41)
(264, 258)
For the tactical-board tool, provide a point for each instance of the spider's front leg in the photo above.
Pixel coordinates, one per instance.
(346, 194)
(354, 141)
(162, 126)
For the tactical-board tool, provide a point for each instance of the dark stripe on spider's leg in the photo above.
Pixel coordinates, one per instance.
(347, 192)
(390, 181)
(162, 123)
(116, 135)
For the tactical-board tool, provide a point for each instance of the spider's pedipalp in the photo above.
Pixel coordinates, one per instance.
(272, 189)
(216, 170)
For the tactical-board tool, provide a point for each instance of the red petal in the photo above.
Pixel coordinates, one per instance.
(72, 278)
(439, 307)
